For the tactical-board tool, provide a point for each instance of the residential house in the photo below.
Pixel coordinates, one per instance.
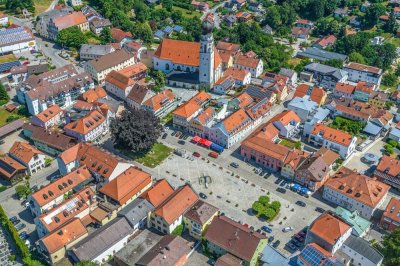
(378, 99)
(259, 93)
(204, 119)
(287, 122)
(303, 107)
(97, 25)
(126, 187)
(361, 252)
(325, 42)
(243, 16)
(230, 130)
(53, 247)
(102, 243)
(317, 95)
(53, 194)
(61, 86)
(136, 213)
(240, 76)
(355, 191)
(11, 170)
(315, 170)
(94, 51)
(50, 117)
(363, 91)
(388, 171)
(225, 236)
(100, 67)
(121, 36)
(161, 104)
(316, 53)
(199, 217)
(28, 156)
(329, 232)
(169, 214)
(360, 226)
(394, 133)
(93, 95)
(49, 141)
(103, 165)
(224, 85)
(43, 20)
(301, 33)
(230, 20)
(88, 128)
(317, 116)
(276, 83)
(334, 139)
(344, 90)
(291, 74)
(340, 12)
(390, 219)
(78, 206)
(304, 23)
(359, 72)
(74, 19)
(292, 161)
(319, 254)
(201, 6)
(254, 65)
(138, 95)
(75, 2)
(230, 6)
(187, 111)
(326, 76)
(158, 193)
(240, 3)
(255, 6)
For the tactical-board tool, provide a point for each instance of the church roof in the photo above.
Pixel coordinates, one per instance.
(183, 52)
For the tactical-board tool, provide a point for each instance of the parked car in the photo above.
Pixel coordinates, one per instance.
(276, 243)
(266, 229)
(178, 134)
(270, 239)
(287, 229)
(234, 165)
(19, 227)
(202, 195)
(164, 136)
(173, 133)
(281, 190)
(34, 188)
(213, 154)
(182, 142)
(278, 181)
(319, 209)
(24, 235)
(13, 219)
(196, 154)
(283, 183)
(301, 203)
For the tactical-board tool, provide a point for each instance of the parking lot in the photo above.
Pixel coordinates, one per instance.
(233, 190)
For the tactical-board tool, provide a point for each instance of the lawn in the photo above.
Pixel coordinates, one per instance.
(41, 5)
(4, 114)
(384, 88)
(186, 13)
(287, 143)
(7, 58)
(352, 127)
(154, 157)
(394, 41)
(294, 61)
(166, 119)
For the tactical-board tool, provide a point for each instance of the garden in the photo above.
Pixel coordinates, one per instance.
(352, 127)
(265, 209)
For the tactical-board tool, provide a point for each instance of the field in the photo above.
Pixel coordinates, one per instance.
(41, 5)
(7, 58)
(186, 13)
(154, 157)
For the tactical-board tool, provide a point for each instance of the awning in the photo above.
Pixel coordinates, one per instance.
(196, 139)
(205, 142)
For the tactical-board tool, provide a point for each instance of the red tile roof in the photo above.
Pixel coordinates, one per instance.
(392, 210)
(183, 52)
(24, 151)
(93, 95)
(365, 86)
(331, 134)
(132, 71)
(177, 204)
(345, 88)
(327, 40)
(160, 99)
(236, 73)
(49, 113)
(250, 62)
(118, 34)
(87, 123)
(329, 228)
(236, 122)
(227, 46)
(9, 167)
(361, 188)
(193, 105)
(364, 68)
(158, 193)
(70, 20)
(389, 165)
(126, 185)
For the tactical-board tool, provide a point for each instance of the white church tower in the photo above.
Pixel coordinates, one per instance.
(206, 73)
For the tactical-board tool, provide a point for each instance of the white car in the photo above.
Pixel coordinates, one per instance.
(287, 229)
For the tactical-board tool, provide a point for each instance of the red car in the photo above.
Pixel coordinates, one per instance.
(196, 154)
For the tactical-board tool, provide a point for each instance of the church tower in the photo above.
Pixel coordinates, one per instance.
(206, 73)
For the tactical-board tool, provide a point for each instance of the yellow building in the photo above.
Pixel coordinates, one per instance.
(378, 99)
(198, 218)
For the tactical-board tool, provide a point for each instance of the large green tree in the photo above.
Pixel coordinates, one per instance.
(4, 97)
(391, 248)
(391, 25)
(373, 13)
(71, 37)
(105, 36)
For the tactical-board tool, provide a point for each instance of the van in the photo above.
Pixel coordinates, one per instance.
(213, 154)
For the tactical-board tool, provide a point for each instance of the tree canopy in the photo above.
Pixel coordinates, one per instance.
(391, 248)
(4, 97)
(135, 130)
(71, 37)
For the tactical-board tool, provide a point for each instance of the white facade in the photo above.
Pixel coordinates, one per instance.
(255, 72)
(36, 209)
(101, 75)
(92, 135)
(103, 257)
(344, 151)
(206, 73)
(349, 203)
(220, 137)
(49, 123)
(118, 92)
(158, 223)
(35, 164)
(19, 47)
(357, 75)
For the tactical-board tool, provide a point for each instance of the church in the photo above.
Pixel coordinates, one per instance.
(190, 64)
